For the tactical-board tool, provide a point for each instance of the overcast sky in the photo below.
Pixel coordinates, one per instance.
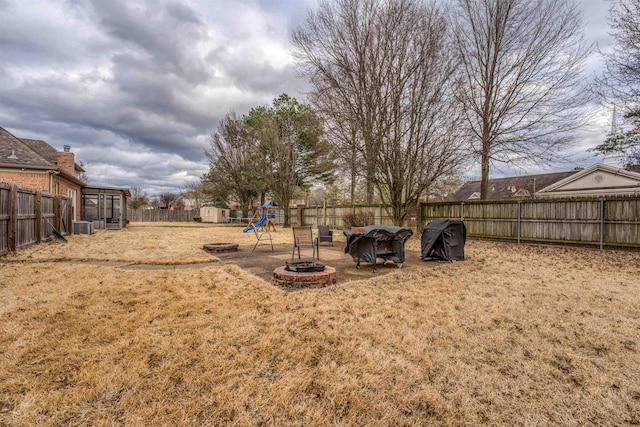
(136, 87)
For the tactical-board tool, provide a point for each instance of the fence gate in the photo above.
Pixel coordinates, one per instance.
(65, 226)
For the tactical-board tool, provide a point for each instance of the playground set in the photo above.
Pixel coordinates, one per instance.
(261, 223)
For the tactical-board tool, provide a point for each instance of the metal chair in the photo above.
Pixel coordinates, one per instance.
(303, 237)
(325, 234)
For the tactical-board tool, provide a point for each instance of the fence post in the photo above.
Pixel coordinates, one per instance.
(602, 223)
(519, 219)
(38, 217)
(70, 217)
(317, 217)
(334, 216)
(56, 211)
(13, 218)
(461, 211)
(324, 212)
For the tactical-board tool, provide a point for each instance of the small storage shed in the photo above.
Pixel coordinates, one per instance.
(214, 214)
(444, 239)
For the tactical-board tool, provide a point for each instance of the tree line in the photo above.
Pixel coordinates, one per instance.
(406, 92)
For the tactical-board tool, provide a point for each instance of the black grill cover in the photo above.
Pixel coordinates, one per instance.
(381, 241)
(444, 239)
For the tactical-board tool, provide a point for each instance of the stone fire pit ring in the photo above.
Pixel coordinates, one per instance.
(220, 247)
(297, 280)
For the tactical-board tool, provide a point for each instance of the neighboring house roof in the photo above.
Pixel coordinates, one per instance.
(14, 152)
(596, 180)
(511, 187)
(633, 168)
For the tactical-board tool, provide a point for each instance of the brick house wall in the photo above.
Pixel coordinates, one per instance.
(40, 181)
(35, 180)
(66, 162)
(63, 187)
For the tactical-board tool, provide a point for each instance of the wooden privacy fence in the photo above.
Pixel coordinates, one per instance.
(161, 215)
(612, 221)
(28, 216)
(332, 215)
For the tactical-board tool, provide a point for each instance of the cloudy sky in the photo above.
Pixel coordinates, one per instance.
(136, 87)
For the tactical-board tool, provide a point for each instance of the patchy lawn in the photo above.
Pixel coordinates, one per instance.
(513, 335)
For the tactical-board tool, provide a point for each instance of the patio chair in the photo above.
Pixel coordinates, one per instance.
(303, 237)
(325, 234)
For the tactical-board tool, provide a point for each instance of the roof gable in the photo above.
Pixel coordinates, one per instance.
(596, 179)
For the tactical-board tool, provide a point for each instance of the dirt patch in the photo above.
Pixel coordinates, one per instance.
(263, 261)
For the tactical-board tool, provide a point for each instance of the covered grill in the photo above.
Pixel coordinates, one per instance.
(377, 241)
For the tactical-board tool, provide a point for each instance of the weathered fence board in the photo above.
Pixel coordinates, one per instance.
(5, 208)
(613, 221)
(334, 215)
(28, 216)
(26, 220)
(161, 215)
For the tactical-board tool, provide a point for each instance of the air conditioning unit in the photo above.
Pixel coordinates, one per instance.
(82, 227)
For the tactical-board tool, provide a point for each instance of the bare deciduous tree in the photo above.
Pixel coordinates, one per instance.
(341, 130)
(234, 164)
(194, 190)
(169, 199)
(383, 74)
(620, 83)
(338, 48)
(138, 198)
(521, 87)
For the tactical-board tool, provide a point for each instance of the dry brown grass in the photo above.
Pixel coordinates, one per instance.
(523, 335)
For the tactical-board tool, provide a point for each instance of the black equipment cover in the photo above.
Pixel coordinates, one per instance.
(377, 241)
(444, 239)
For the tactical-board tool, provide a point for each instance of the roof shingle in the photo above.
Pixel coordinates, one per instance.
(14, 151)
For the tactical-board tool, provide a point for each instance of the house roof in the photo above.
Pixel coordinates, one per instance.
(600, 179)
(30, 153)
(14, 152)
(107, 189)
(45, 150)
(510, 187)
(633, 168)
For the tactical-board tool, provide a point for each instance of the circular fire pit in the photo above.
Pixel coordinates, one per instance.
(312, 279)
(220, 247)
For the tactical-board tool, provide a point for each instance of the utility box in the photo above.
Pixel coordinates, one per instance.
(82, 227)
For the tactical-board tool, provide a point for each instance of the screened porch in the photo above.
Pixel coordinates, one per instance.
(106, 207)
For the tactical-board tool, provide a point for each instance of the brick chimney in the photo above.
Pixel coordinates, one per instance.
(66, 160)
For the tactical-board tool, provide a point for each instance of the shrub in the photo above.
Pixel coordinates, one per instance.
(358, 219)
(197, 219)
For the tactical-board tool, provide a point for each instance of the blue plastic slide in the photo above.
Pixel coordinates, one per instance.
(255, 225)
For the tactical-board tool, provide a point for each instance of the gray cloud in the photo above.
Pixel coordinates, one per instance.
(137, 86)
